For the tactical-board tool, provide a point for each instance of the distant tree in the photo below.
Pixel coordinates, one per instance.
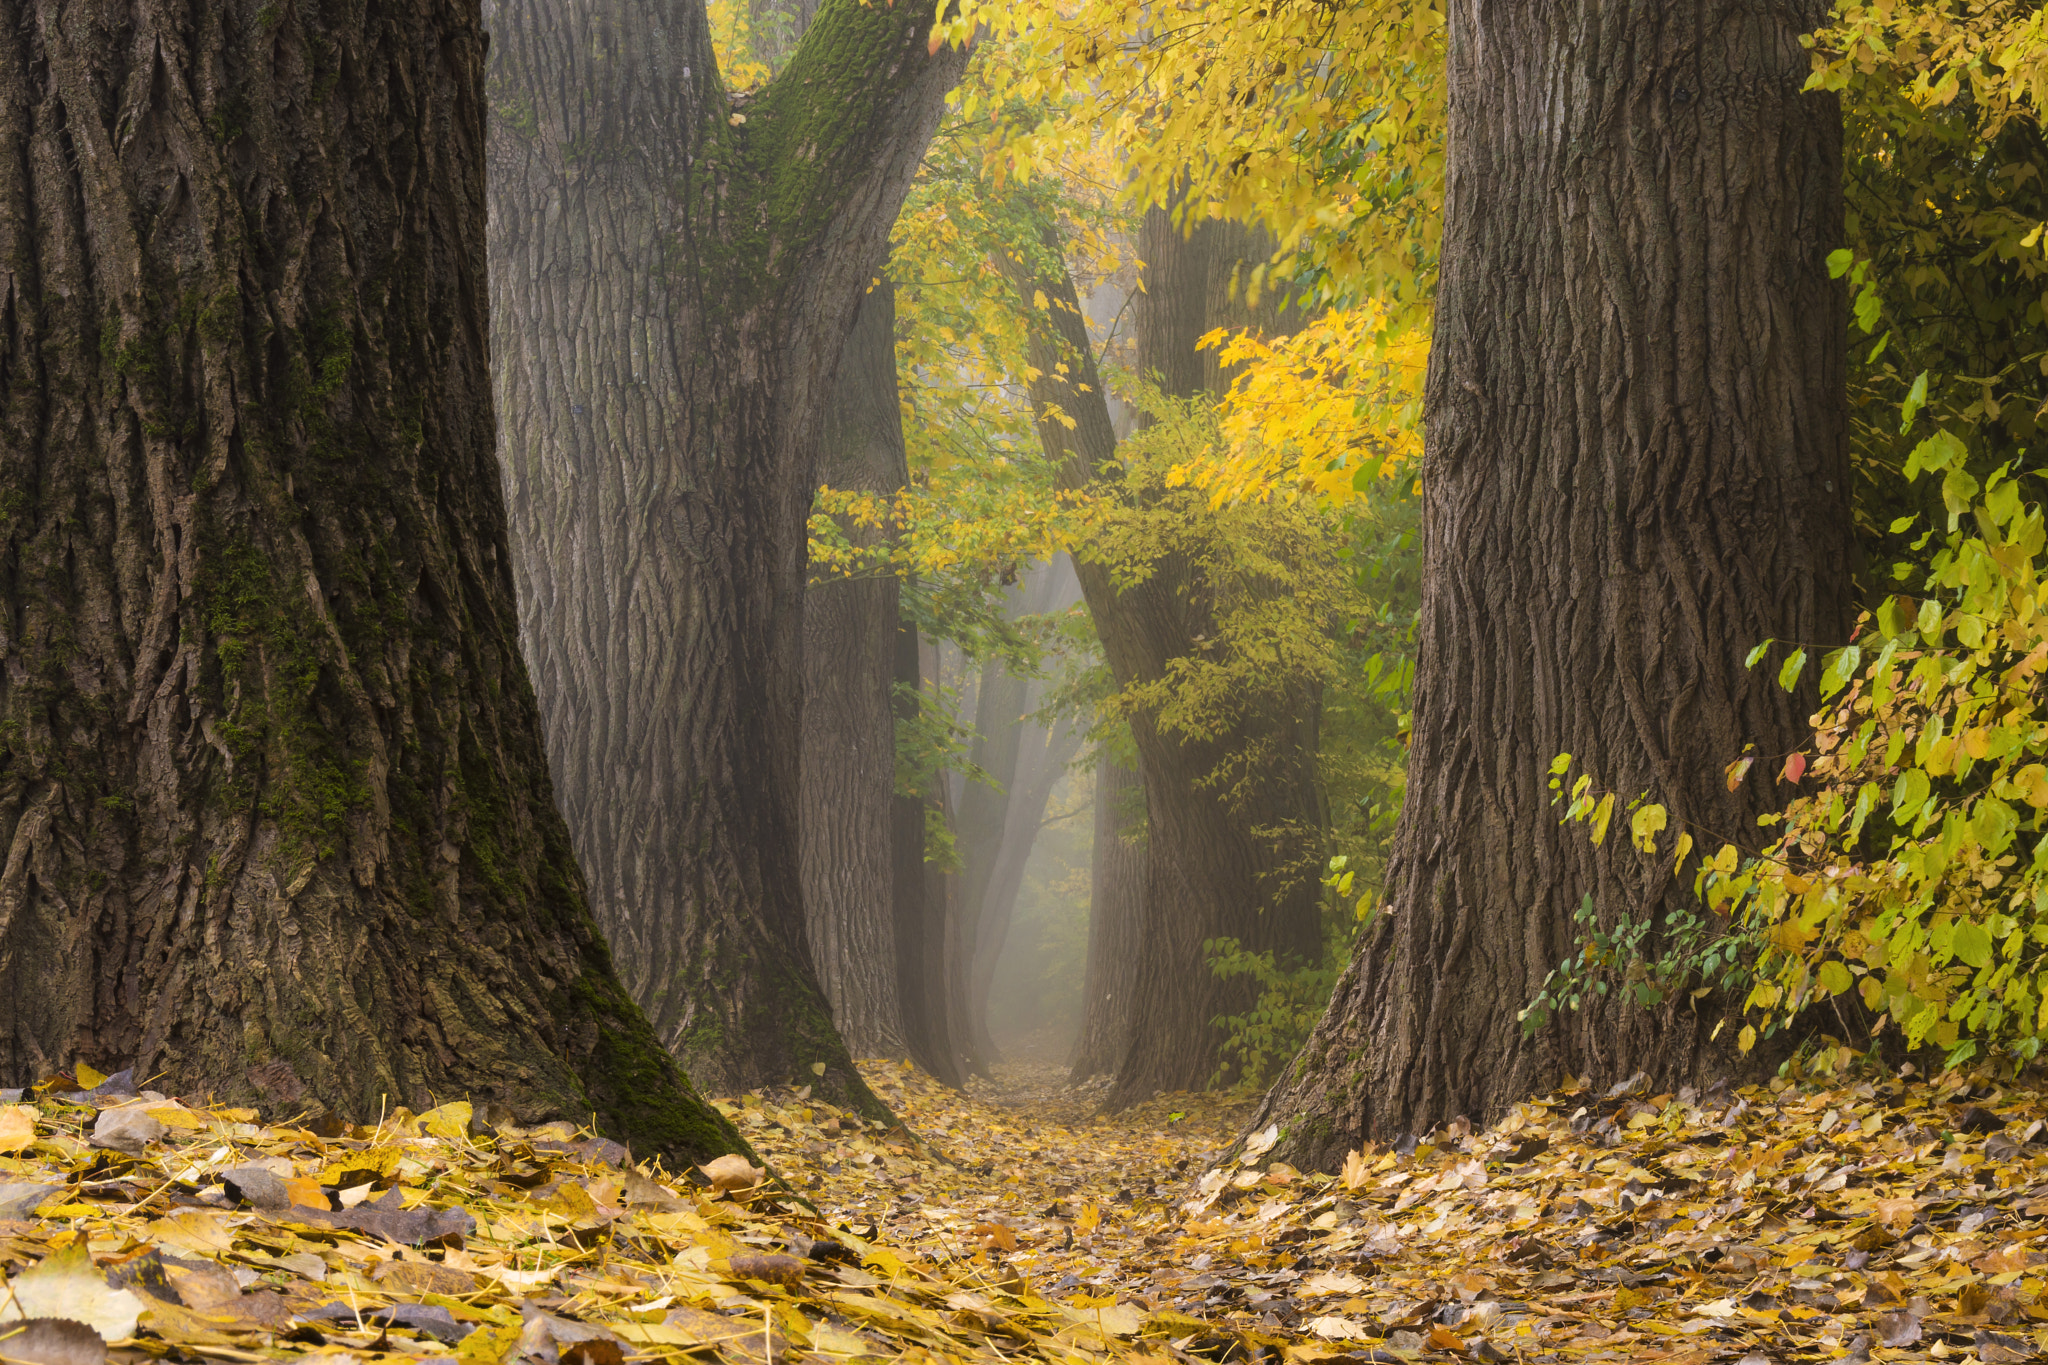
(1116, 925)
(675, 270)
(1223, 855)
(274, 817)
(1635, 471)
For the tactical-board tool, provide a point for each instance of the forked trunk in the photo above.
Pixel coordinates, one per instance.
(1636, 470)
(674, 273)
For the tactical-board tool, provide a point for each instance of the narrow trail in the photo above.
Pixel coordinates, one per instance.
(1854, 1217)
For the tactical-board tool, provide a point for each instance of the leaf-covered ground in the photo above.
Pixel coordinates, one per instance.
(1876, 1219)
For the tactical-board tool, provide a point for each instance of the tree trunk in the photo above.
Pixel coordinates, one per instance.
(1214, 866)
(1041, 763)
(276, 819)
(1116, 897)
(675, 273)
(994, 836)
(1636, 470)
(921, 909)
(848, 814)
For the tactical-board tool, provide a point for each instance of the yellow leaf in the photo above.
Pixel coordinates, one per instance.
(1645, 825)
(17, 1127)
(1603, 813)
(450, 1121)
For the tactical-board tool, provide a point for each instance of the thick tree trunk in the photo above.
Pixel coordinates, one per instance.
(276, 819)
(1220, 863)
(848, 815)
(1636, 470)
(1116, 929)
(674, 275)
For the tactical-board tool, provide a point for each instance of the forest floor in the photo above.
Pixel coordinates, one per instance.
(1860, 1218)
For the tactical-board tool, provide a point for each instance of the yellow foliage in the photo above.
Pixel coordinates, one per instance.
(1326, 411)
(1323, 123)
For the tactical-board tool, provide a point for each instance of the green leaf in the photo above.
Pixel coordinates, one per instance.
(1916, 399)
(1789, 671)
(1869, 310)
(1841, 667)
(1757, 653)
(1957, 488)
(2003, 502)
(1972, 944)
(1839, 261)
(1942, 450)
(1901, 523)
(1834, 977)
(1895, 616)
(1928, 622)
(1908, 792)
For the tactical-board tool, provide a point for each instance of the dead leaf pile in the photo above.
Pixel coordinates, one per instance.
(1867, 1219)
(1873, 1219)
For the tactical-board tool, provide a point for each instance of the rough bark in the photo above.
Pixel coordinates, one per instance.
(675, 272)
(848, 814)
(275, 816)
(1214, 867)
(1635, 471)
(1116, 897)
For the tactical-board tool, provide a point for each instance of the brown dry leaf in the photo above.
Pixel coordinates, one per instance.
(728, 1173)
(995, 1236)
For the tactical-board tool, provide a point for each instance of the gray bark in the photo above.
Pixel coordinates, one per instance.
(849, 810)
(675, 272)
(1116, 925)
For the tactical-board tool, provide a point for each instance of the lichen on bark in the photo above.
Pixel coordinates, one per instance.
(669, 319)
(274, 813)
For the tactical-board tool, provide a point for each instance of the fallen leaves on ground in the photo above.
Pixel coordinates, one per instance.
(1874, 1220)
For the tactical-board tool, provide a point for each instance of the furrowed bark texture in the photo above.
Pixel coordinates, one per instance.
(1211, 867)
(274, 813)
(848, 813)
(1636, 470)
(1116, 892)
(674, 274)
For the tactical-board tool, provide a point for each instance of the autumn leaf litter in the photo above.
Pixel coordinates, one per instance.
(1867, 1219)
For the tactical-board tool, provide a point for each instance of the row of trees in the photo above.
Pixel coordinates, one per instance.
(291, 473)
